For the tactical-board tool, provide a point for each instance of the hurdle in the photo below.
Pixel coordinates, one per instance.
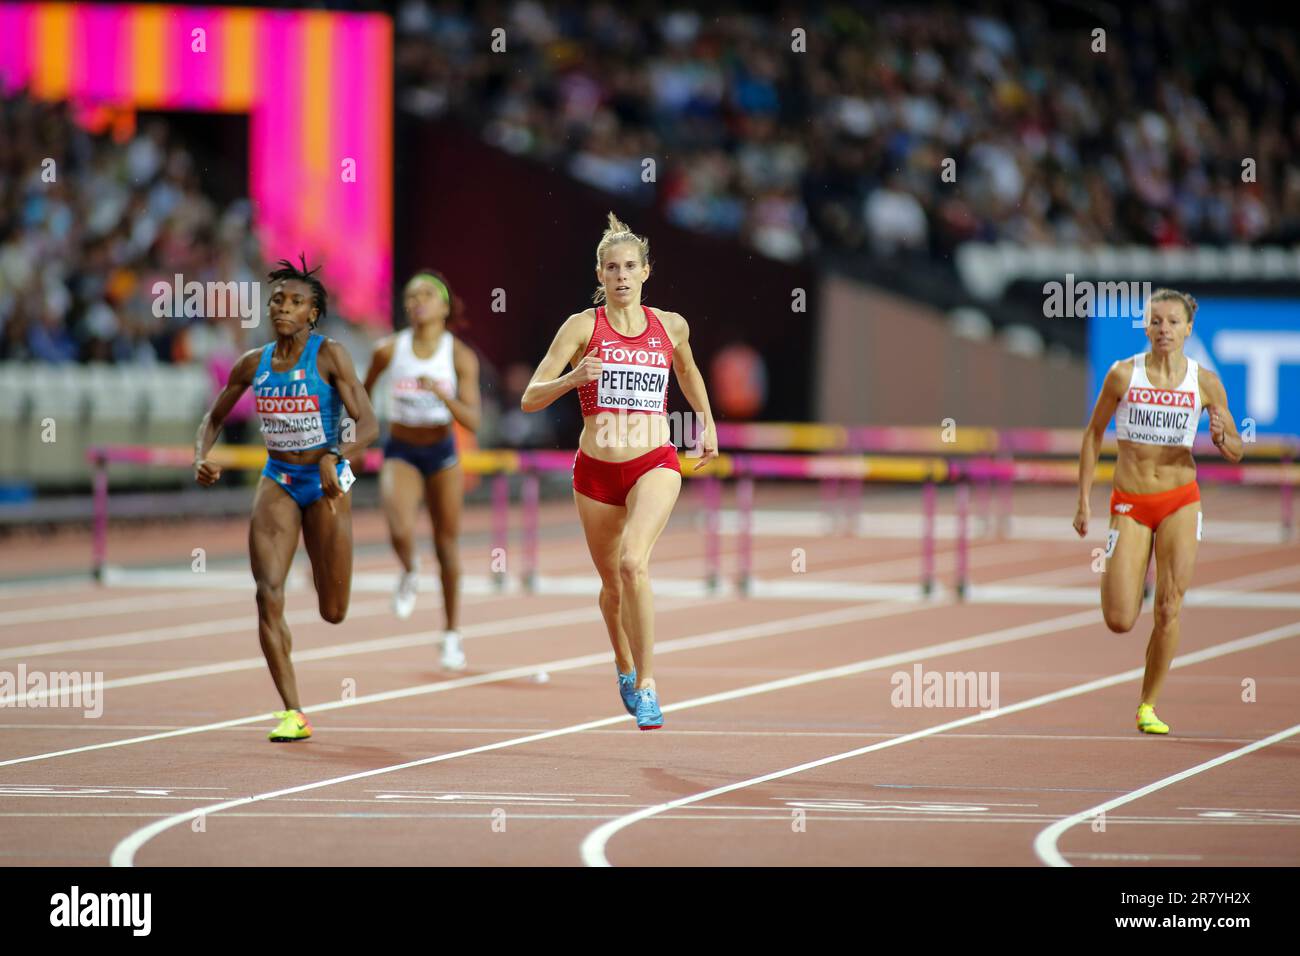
(744, 469)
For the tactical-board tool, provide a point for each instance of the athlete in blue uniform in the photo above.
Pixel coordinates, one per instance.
(299, 382)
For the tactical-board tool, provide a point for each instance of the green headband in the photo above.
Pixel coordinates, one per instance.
(442, 286)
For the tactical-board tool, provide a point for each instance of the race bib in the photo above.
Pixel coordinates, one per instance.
(411, 403)
(1160, 416)
(291, 423)
(633, 388)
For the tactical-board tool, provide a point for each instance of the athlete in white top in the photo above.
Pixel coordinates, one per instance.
(1156, 398)
(434, 379)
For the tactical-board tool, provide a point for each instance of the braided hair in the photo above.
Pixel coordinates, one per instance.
(287, 270)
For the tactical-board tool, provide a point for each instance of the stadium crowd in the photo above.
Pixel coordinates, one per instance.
(89, 224)
(842, 144)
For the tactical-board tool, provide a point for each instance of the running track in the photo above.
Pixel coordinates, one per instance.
(781, 744)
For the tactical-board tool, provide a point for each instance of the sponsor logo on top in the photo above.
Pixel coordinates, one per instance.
(1161, 396)
(633, 356)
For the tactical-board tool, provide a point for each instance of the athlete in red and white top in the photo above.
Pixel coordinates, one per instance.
(1156, 398)
(626, 475)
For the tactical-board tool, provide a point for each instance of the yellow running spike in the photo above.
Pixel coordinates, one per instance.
(293, 726)
(1148, 722)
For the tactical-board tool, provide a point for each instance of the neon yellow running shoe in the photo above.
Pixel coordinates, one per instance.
(1148, 722)
(293, 726)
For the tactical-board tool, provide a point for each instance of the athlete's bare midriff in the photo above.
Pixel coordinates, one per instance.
(622, 436)
(419, 434)
(1149, 469)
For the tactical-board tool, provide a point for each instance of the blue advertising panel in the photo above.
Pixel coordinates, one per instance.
(1253, 345)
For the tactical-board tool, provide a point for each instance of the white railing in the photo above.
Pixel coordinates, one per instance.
(986, 269)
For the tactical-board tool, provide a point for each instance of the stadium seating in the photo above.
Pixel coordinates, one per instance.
(51, 414)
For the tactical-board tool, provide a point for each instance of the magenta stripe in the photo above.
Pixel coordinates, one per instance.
(348, 217)
(104, 68)
(15, 45)
(193, 79)
(201, 72)
(354, 232)
(378, 68)
(347, 91)
(276, 137)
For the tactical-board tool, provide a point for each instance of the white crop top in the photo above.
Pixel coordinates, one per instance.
(409, 404)
(1159, 416)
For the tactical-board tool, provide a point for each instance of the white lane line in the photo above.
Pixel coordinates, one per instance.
(121, 605)
(124, 853)
(69, 787)
(981, 555)
(1249, 582)
(1139, 857)
(1198, 597)
(395, 643)
(474, 585)
(333, 728)
(1235, 591)
(115, 576)
(486, 793)
(593, 847)
(782, 734)
(1228, 532)
(18, 590)
(1244, 809)
(685, 588)
(520, 813)
(1045, 842)
(588, 585)
(908, 524)
(176, 632)
(505, 626)
(662, 572)
(1267, 579)
(14, 795)
(747, 632)
(840, 590)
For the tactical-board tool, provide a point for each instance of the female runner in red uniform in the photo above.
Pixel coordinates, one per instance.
(1156, 398)
(626, 475)
(300, 382)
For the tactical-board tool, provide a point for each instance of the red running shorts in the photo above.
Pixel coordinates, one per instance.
(610, 481)
(1150, 510)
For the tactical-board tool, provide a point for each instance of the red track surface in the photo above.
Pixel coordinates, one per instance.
(977, 794)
